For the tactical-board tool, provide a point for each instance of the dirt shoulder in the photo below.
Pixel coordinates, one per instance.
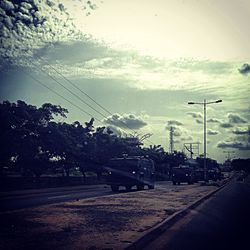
(109, 222)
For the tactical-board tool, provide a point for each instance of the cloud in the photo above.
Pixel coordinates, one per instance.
(213, 120)
(199, 121)
(234, 144)
(245, 69)
(226, 125)
(240, 141)
(204, 66)
(177, 132)
(195, 114)
(30, 25)
(187, 138)
(125, 121)
(174, 123)
(240, 131)
(212, 132)
(116, 130)
(233, 118)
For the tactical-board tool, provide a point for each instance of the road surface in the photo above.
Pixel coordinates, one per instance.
(222, 222)
(25, 200)
(29, 198)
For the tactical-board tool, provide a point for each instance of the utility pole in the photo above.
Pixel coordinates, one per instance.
(193, 148)
(205, 132)
(205, 142)
(171, 140)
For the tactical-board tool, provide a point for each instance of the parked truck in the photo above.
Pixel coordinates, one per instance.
(183, 174)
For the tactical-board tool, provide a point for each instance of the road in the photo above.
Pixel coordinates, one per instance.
(25, 200)
(222, 222)
(29, 198)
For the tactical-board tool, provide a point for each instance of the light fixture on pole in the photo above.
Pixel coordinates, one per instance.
(205, 132)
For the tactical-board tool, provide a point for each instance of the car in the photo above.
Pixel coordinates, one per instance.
(182, 173)
(129, 172)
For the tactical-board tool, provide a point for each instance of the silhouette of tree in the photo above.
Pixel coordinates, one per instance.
(22, 131)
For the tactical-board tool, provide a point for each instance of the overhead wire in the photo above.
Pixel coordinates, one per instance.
(83, 92)
(70, 82)
(38, 81)
(92, 99)
(64, 98)
(78, 97)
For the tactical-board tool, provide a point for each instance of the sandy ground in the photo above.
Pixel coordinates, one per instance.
(109, 222)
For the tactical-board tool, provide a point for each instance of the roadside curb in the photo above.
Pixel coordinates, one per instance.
(167, 223)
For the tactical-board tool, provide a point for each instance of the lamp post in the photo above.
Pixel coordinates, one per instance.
(205, 131)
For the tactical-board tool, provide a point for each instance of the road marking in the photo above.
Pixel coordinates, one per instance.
(59, 196)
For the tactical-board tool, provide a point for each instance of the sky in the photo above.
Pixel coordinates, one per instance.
(134, 65)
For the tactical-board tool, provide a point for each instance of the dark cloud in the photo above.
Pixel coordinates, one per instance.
(234, 144)
(61, 7)
(226, 125)
(195, 114)
(239, 131)
(213, 120)
(240, 141)
(174, 122)
(199, 121)
(91, 5)
(245, 69)
(125, 121)
(233, 118)
(212, 132)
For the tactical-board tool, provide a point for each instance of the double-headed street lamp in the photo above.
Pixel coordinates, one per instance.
(205, 132)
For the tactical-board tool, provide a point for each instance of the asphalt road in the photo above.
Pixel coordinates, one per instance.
(32, 198)
(222, 222)
(19, 201)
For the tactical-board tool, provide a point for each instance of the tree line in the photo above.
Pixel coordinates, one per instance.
(33, 142)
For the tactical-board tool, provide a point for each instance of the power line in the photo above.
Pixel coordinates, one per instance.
(70, 82)
(77, 96)
(74, 85)
(38, 81)
(64, 98)
(67, 99)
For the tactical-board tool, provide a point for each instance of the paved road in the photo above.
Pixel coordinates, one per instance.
(222, 222)
(31, 198)
(19, 201)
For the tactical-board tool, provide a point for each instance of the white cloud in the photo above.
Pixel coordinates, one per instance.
(127, 121)
(28, 26)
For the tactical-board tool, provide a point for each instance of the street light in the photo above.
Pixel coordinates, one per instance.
(205, 133)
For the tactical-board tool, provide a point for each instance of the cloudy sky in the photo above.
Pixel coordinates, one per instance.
(134, 65)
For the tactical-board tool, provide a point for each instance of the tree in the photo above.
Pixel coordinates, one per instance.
(241, 164)
(22, 130)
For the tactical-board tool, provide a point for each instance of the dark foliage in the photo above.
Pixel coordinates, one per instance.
(32, 143)
(241, 164)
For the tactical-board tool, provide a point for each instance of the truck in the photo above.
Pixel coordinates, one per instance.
(182, 173)
(129, 172)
